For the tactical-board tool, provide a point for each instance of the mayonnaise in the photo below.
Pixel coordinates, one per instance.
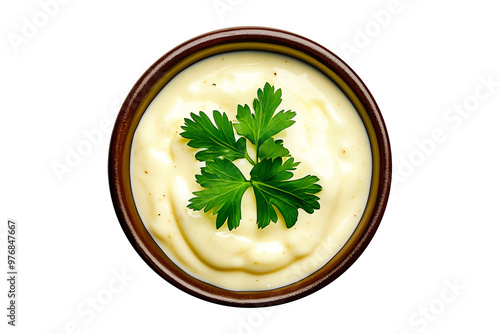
(328, 139)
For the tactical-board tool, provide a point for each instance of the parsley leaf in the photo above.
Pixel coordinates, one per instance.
(263, 124)
(215, 141)
(273, 188)
(271, 176)
(225, 186)
(273, 149)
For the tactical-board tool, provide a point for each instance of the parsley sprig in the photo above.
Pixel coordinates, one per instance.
(272, 172)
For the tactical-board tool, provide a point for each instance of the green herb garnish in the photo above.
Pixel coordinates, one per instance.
(270, 177)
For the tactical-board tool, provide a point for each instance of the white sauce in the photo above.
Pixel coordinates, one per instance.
(328, 138)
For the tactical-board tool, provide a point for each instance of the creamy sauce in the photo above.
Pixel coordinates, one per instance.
(328, 139)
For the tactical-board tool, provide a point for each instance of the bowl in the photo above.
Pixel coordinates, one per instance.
(247, 39)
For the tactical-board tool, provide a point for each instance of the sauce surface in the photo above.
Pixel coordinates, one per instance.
(328, 139)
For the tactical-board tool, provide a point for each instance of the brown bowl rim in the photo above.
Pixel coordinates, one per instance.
(243, 38)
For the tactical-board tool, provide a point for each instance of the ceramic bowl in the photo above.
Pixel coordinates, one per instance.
(241, 39)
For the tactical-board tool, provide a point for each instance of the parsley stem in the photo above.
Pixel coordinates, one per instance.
(249, 159)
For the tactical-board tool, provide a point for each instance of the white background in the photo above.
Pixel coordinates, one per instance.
(433, 264)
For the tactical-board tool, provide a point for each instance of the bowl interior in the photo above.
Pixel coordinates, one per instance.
(244, 39)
